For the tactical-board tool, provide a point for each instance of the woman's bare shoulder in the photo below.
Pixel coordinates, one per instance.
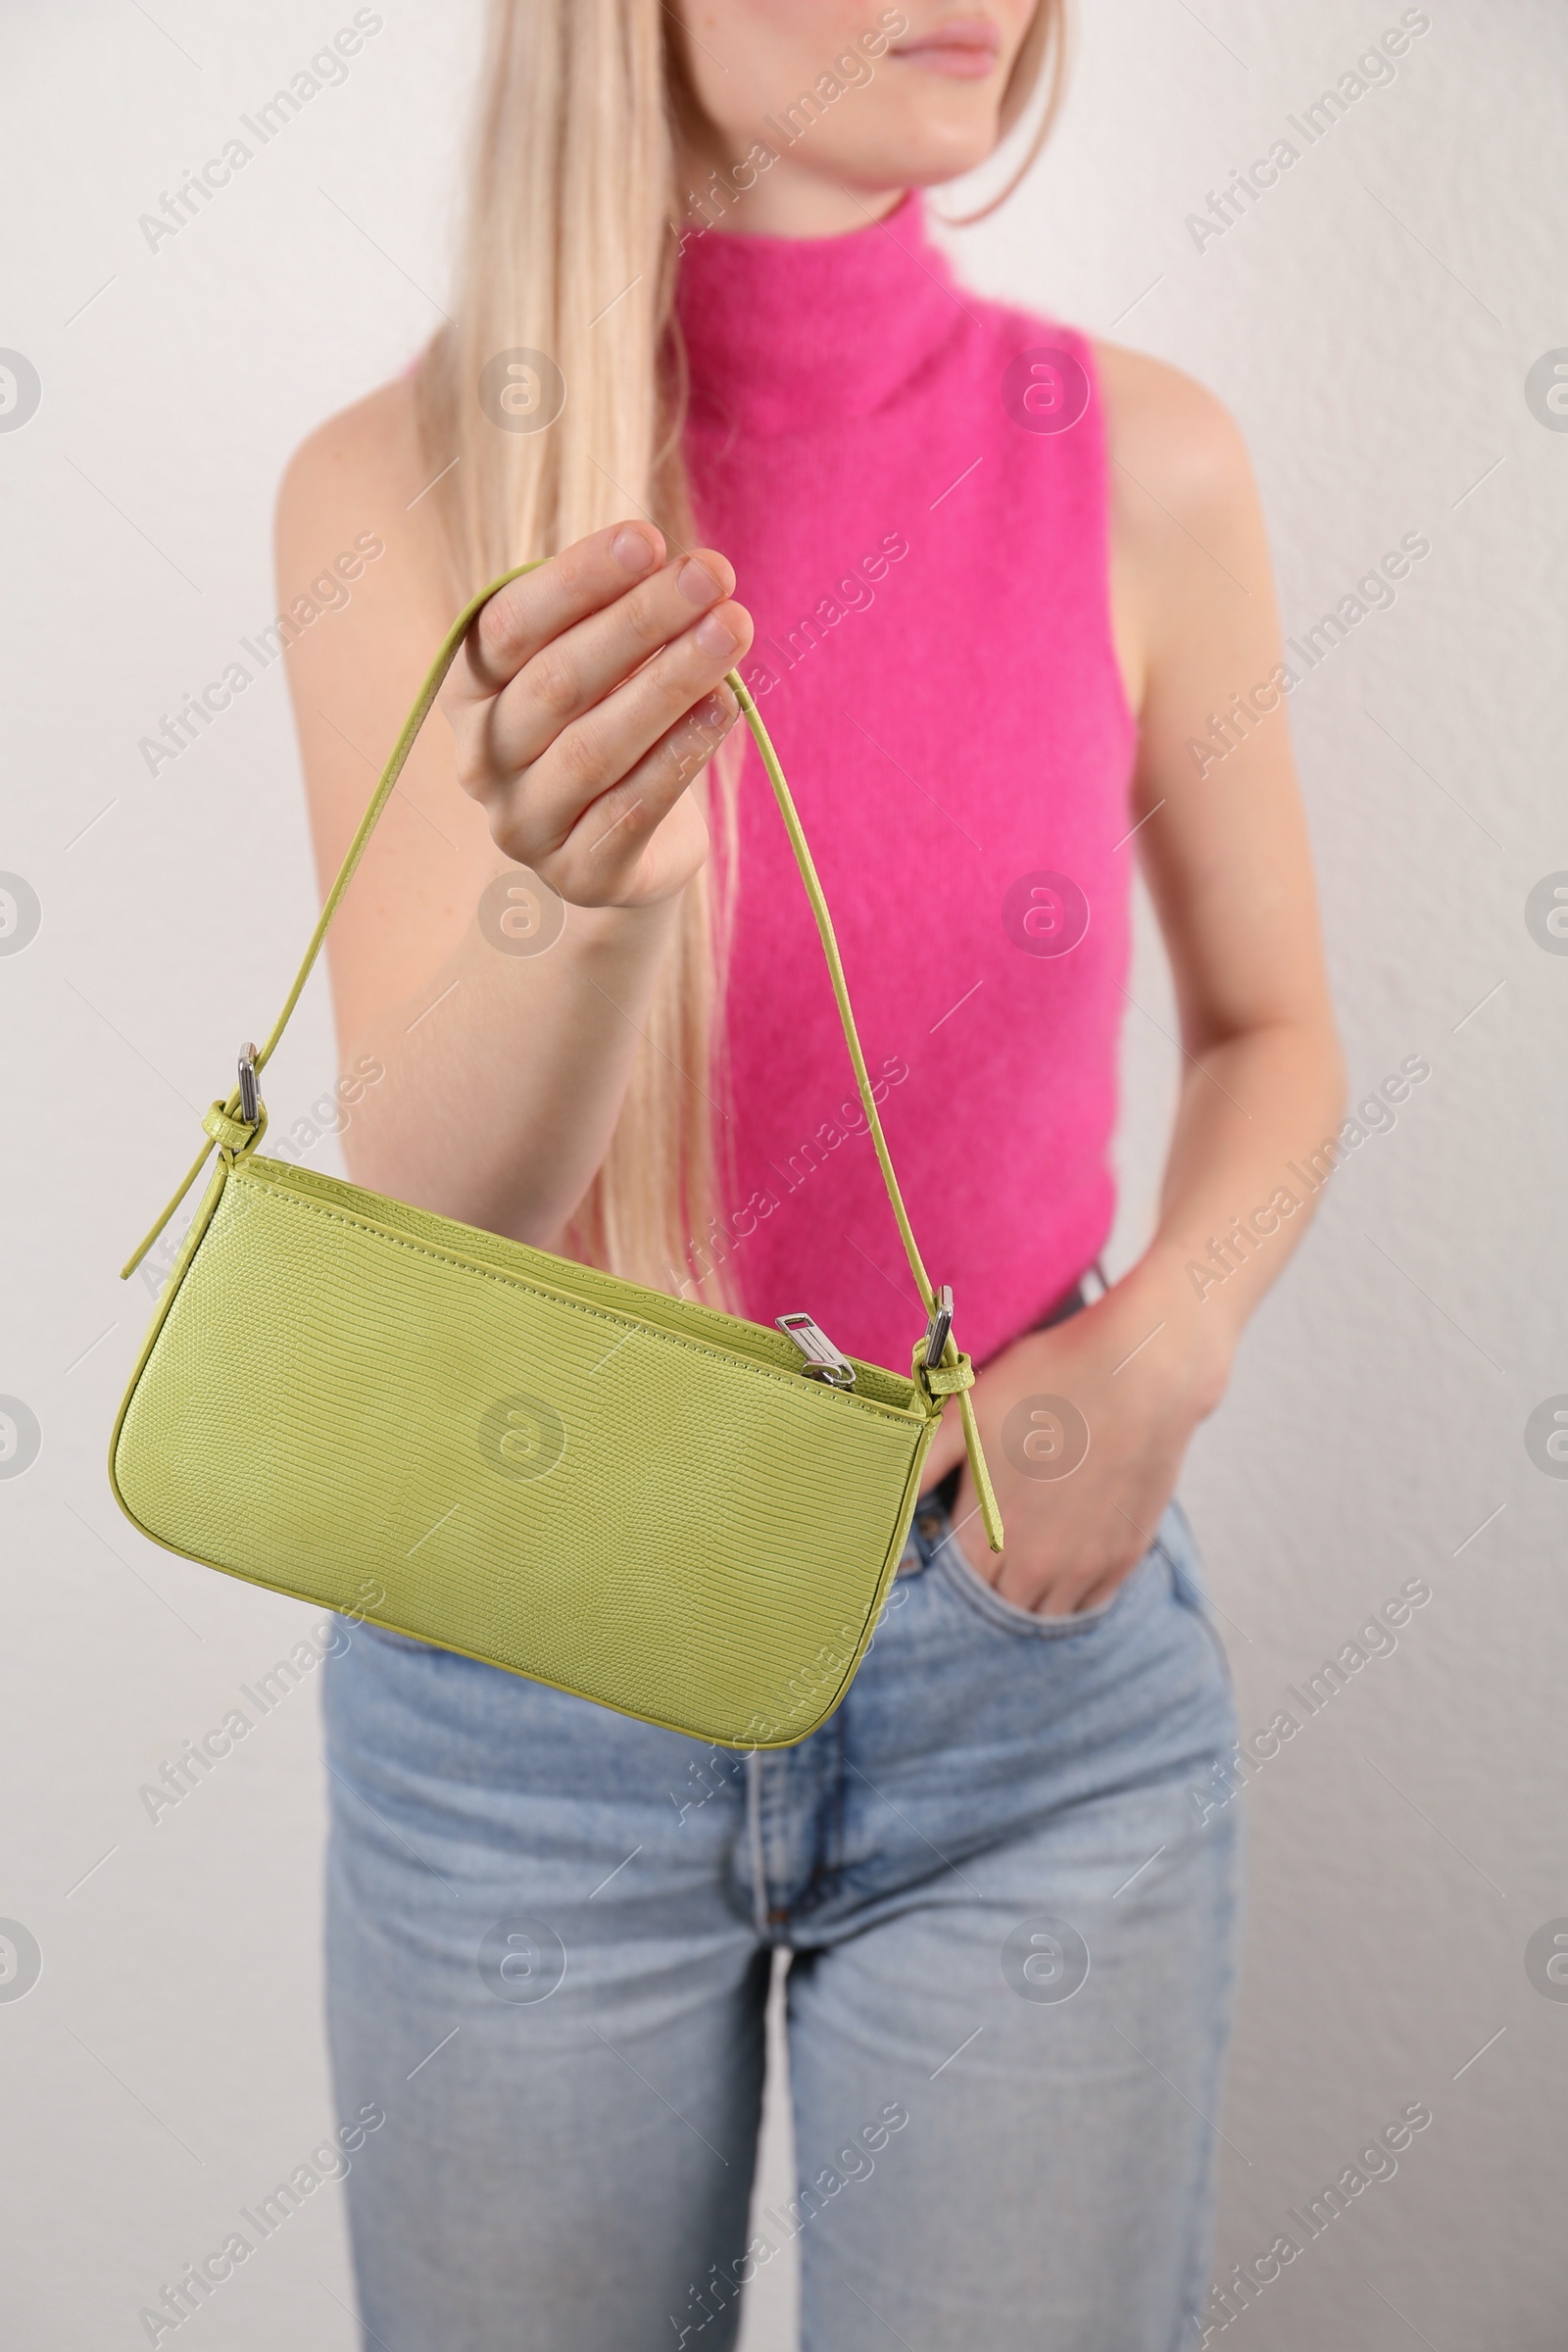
(1169, 437)
(355, 539)
(359, 474)
(372, 445)
(1186, 523)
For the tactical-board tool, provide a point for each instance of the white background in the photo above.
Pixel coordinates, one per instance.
(1371, 325)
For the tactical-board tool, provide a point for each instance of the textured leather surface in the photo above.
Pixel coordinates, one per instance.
(321, 1408)
(631, 1496)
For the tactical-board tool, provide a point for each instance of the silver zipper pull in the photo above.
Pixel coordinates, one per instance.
(823, 1360)
(247, 1084)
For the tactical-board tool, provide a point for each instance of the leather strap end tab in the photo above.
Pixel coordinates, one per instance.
(990, 1515)
(954, 1377)
(943, 1380)
(235, 1138)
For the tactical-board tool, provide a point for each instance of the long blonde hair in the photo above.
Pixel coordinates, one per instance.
(569, 250)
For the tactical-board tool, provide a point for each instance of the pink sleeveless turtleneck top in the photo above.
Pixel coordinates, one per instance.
(910, 483)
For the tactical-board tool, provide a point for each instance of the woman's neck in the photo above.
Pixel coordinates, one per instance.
(785, 200)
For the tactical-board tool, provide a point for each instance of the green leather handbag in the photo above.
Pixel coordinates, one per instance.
(673, 1511)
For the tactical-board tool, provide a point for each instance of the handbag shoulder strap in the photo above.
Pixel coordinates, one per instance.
(227, 1129)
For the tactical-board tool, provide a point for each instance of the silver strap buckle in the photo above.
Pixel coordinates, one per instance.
(936, 1338)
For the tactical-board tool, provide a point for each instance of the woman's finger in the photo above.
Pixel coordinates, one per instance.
(597, 754)
(529, 612)
(570, 676)
(606, 846)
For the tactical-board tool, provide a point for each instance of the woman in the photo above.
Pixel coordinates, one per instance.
(1002, 595)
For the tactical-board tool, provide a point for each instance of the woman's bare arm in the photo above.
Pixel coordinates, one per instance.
(574, 720)
(1226, 854)
(1225, 849)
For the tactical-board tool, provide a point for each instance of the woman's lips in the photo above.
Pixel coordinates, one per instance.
(965, 50)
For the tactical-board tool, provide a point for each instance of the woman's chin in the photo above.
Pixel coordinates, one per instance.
(940, 151)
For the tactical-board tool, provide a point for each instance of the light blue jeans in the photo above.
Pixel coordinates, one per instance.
(550, 1936)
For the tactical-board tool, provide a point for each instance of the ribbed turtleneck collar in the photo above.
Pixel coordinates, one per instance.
(786, 334)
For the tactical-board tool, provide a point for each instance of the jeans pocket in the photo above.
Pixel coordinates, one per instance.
(969, 1586)
(1177, 1546)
